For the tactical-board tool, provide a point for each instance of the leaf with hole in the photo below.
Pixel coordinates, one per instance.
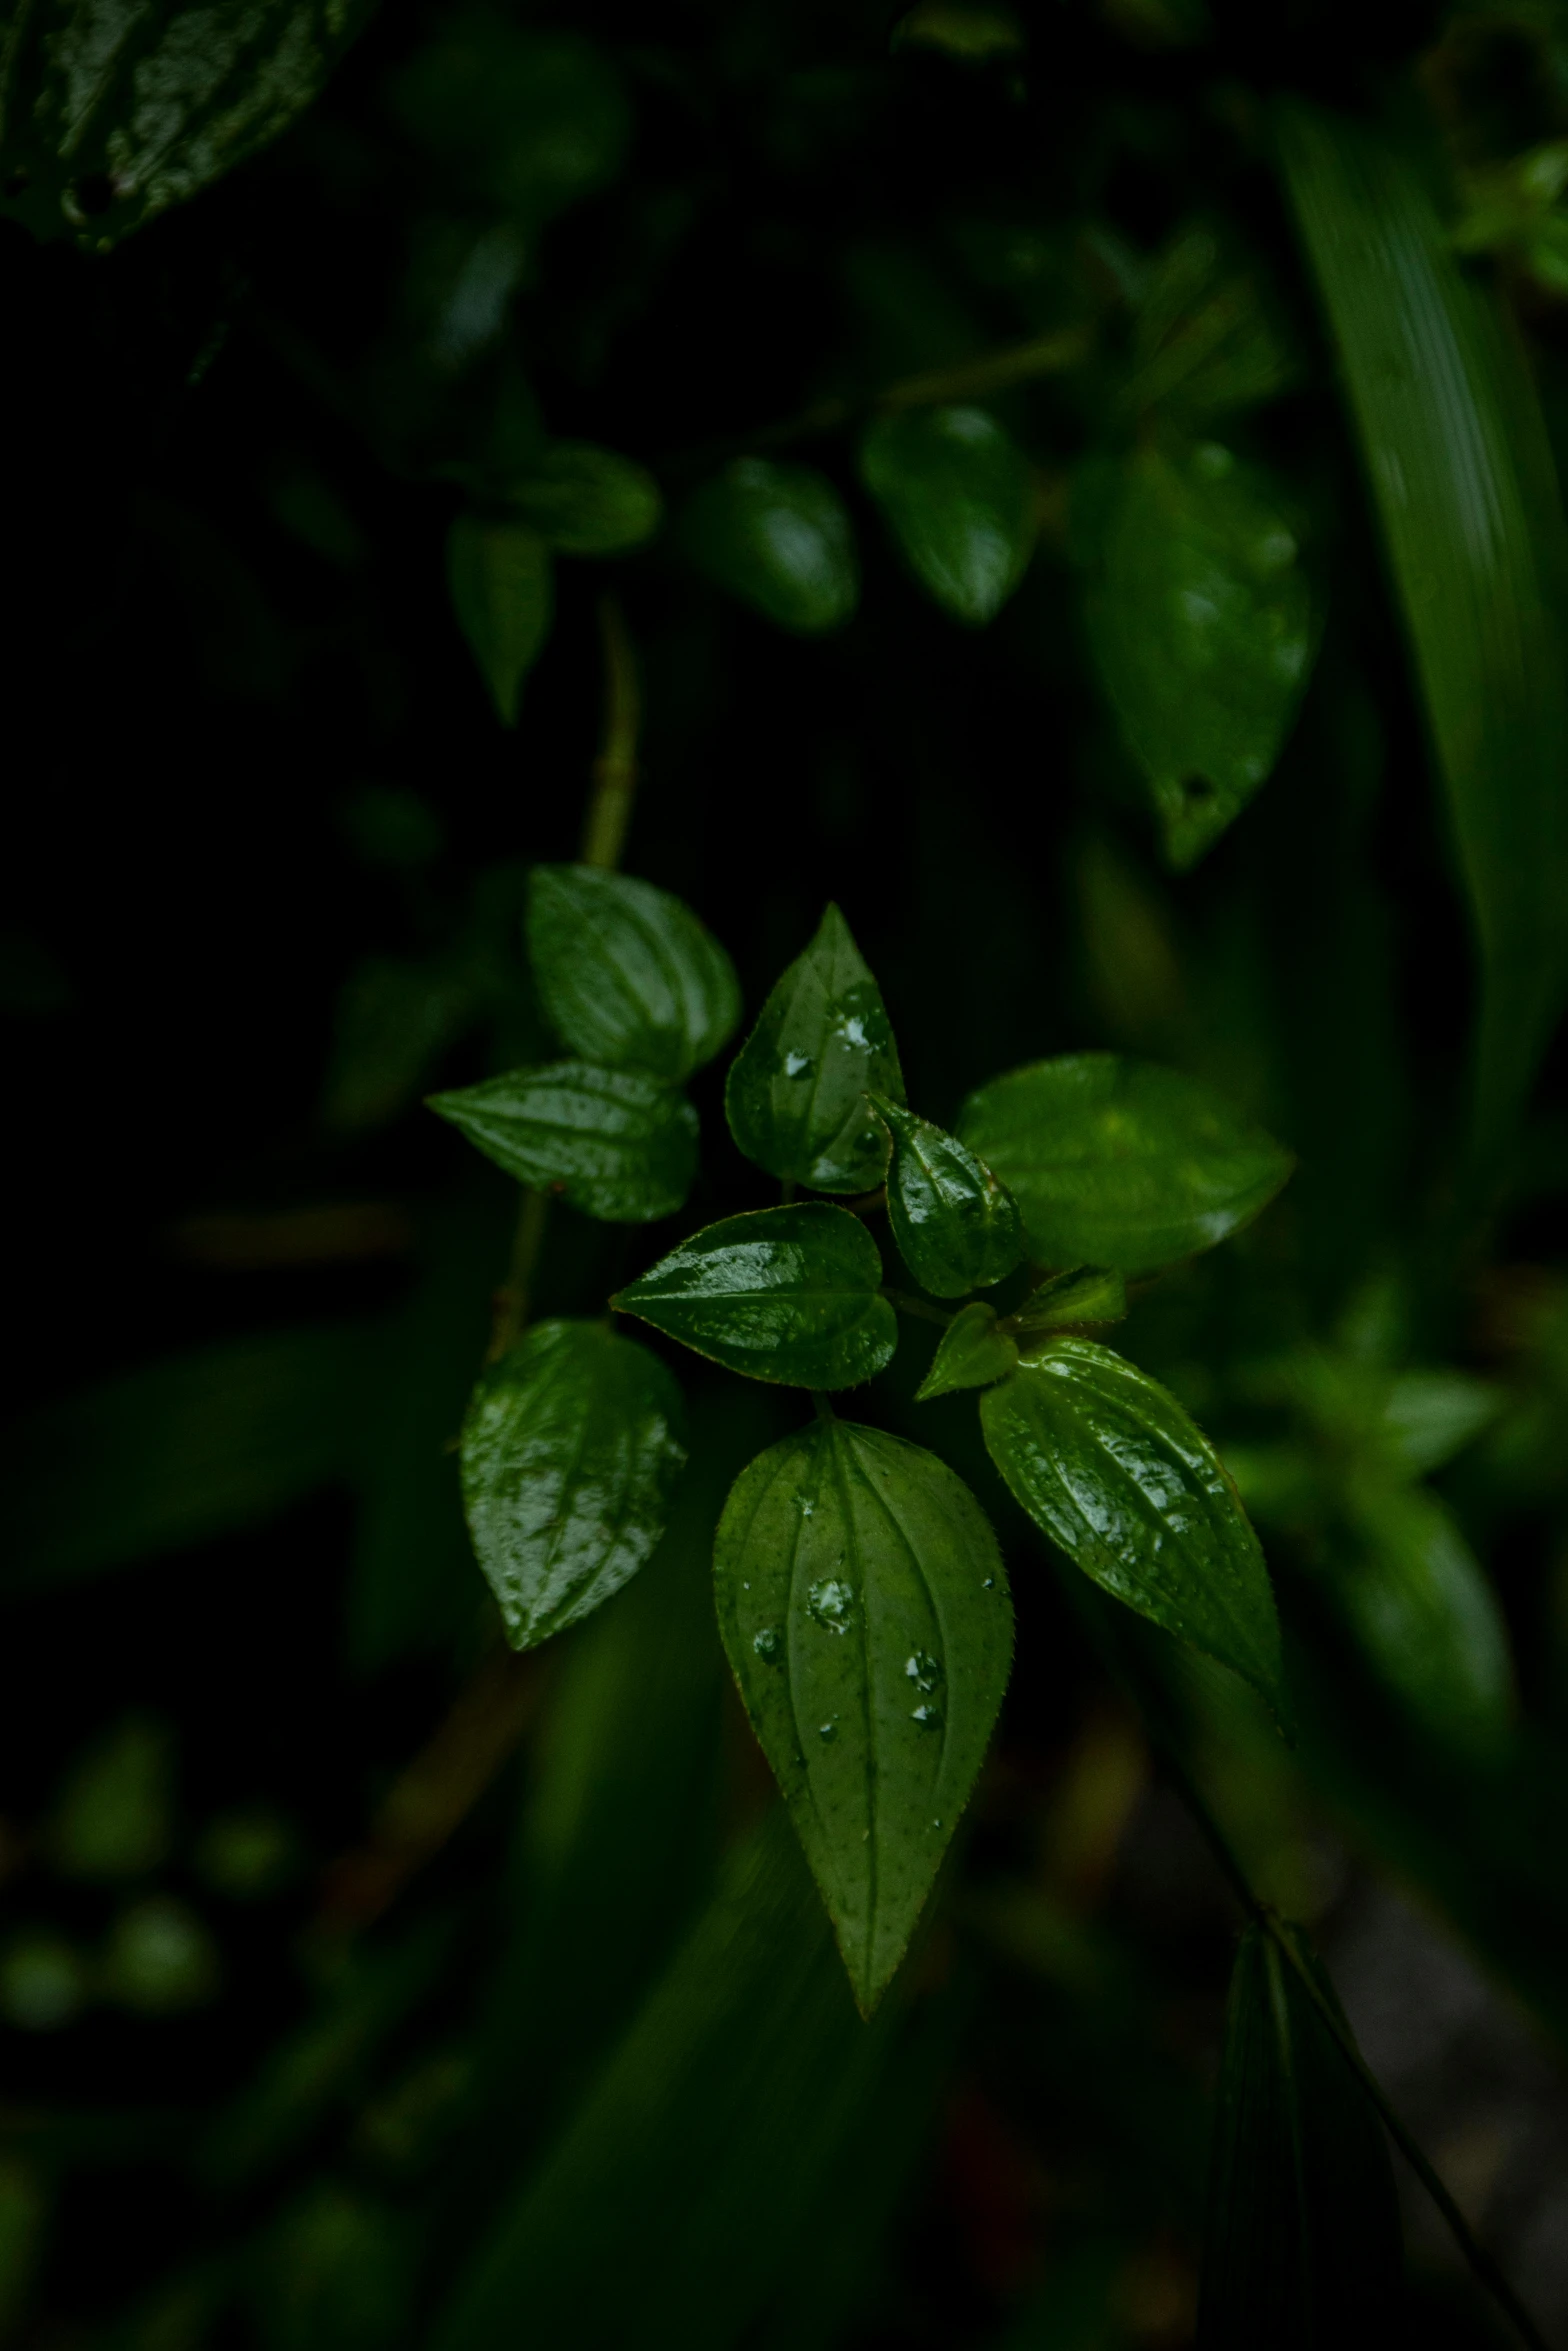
(778, 538)
(503, 595)
(974, 1351)
(627, 973)
(864, 1609)
(957, 1228)
(619, 1144)
(957, 494)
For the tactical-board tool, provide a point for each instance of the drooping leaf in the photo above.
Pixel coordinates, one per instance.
(503, 595)
(571, 1445)
(586, 501)
(1302, 2249)
(619, 1144)
(956, 1227)
(1116, 1162)
(1110, 1466)
(786, 1294)
(864, 1608)
(958, 496)
(973, 1351)
(1467, 496)
(796, 1092)
(1202, 625)
(628, 974)
(776, 536)
(1068, 1301)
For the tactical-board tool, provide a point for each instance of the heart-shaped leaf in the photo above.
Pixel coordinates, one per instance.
(864, 1607)
(571, 1445)
(974, 1351)
(628, 974)
(1107, 1462)
(958, 496)
(1121, 1163)
(796, 1092)
(503, 596)
(619, 1144)
(786, 1294)
(957, 1228)
(776, 536)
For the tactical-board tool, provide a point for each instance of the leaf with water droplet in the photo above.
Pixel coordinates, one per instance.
(957, 494)
(570, 1448)
(787, 1294)
(627, 973)
(619, 1144)
(973, 1352)
(1120, 1163)
(776, 536)
(1089, 1295)
(796, 1092)
(503, 595)
(1106, 1461)
(956, 1226)
(894, 1564)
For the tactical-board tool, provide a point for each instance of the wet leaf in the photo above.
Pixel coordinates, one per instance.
(864, 1608)
(957, 494)
(504, 598)
(776, 536)
(619, 1144)
(1088, 1296)
(974, 1350)
(586, 501)
(957, 1228)
(627, 973)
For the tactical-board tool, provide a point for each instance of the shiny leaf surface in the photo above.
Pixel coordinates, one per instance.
(786, 1294)
(627, 973)
(586, 501)
(864, 1608)
(1116, 1162)
(974, 1350)
(776, 536)
(957, 1228)
(1088, 1296)
(503, 595)
(957, 494)
(620, 1145)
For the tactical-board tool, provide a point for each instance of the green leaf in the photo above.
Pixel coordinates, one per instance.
(113, 113)
(786, 1294)
(627, 973)
(1116, 1162)
(1203, 626)
(1467, 496)
(1203, 342)
(956, 1227)
(1111, 1467)
(571, 1445)
(586, 501)
(1069, 1301)
(958, 496)
(974, 1350)
(796, 1093)
(1302, 2250)
(522, 120)
(619, 1144)
(776, 536)
(864, 1607)
(1424, 1614)
(503, 596)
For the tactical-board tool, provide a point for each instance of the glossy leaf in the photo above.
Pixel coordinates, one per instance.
(1424, 1614)
(786, 1294)
(974, 1350)
(1069, 1301)
(503, 596)
(1202, 625)
(864, 1608)
(586, 501)
(776, 536)
(1466, 493)
(627, 973)
(571, 1445)
(796, 1092)
(956, 1227)
(1110, 1466)
(958, 496)
(619, 1144)
(1302, 2249)
(1120, 1163)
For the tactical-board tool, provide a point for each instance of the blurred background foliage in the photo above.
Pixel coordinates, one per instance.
(362, 1986)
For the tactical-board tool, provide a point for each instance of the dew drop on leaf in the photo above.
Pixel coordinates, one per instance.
(769, 1644)
(923, 1670)
(828, 1730)
(928, 1717)
(831, 1604)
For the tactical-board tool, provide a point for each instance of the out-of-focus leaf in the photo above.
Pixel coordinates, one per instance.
(796, 1092)
(1203, 343)
(1084, 1298)
(619, 1144)
(1432, 1415)
(586, 501)
(1120, 1163)
(570, 1448)
(114, 1818)
(1202, 625)
(159, 1959)
(185, 1449)
(776, 536)
(1303, 2247)
(787, 1294)
(958, 496)
(973, 1352)
(395, 1017)
(528, 121)
(865, 1612)
(627, 973)
(335, 2273)
(504, 597)
(956, 1227)
(1466, 493)
(44, 1981)
(24, 2207)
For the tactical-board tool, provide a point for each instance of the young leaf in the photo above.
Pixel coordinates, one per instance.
(1203, 626)
(973, 1352)
(777, 537)
(796, 1092)
(1111, 1467)
(1116, 1162)
(627, 973)
(957, 494)
(1068, 1301)
(586, 501)
(956, 1227)
(571, 1445)
(1302, 2249)
(864, 1608)
(620, 1145)
(786, 1294)
(503, 596)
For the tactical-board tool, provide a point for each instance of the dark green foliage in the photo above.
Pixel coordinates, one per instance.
(627, 974)
(619, 1144)
(777, 537)
(959, 499)
(957, 1228)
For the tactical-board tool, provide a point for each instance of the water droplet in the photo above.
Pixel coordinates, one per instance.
(923, 1670)
(989, 1585)
(928, 1717)
(936, 1824)
(745, 1587)
(852, 1029)
(831, 1604)
(797, 1065)
(829, 1729)
(805, 1505)
(768, 1644)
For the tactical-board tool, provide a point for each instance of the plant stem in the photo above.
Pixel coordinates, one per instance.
(510, 1315)
(916, 1306)
(615, 769)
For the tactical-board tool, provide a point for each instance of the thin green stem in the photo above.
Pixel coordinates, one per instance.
(821, 1405)
(509, 1314)
(916, 1306)
(615, 769)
